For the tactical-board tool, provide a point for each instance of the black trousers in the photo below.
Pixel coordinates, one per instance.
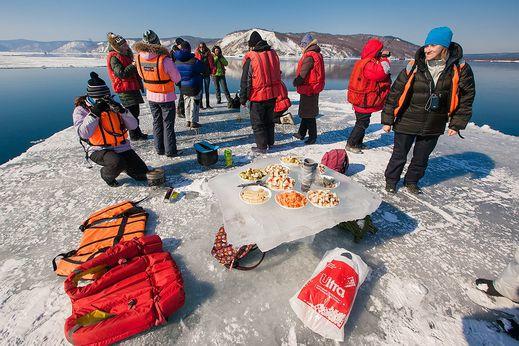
(217, 80)
(423, 147)
(115, 163)
(310, 125)
(135, 110)
(359, 130)
(262, 121)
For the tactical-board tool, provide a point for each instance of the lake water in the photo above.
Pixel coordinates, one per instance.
(36, 103)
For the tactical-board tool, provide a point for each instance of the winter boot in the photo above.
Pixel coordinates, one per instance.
(297, 135)
(354, 150)
(195, 125)
(258, 150)
(310, 141)
(413, 188)
(390, 187)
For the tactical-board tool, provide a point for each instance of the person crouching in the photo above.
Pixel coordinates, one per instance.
(103, 124)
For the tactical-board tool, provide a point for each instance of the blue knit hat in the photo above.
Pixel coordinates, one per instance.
(305, 41)
(441, 36)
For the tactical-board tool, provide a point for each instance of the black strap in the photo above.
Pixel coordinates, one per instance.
(62, 255)
(120, 232)
(459, 134)
(240, 267)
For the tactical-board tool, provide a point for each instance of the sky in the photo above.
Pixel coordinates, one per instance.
(479, 26)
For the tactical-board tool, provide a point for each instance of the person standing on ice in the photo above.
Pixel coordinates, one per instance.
(159, 74)
(125, 79)
(368, 88)
(435, 89)
(103, 124)
(309, 82)
(219, 76)
(259, 84)
(205, 56)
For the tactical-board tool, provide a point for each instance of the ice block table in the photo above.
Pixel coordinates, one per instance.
(269, 225)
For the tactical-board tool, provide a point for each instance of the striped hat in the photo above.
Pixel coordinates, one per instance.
(96, 87)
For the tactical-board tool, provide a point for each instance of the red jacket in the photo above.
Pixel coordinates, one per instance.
(266, 75)
(121, 85)
(369, 81)
(314, 81)
(210, 60)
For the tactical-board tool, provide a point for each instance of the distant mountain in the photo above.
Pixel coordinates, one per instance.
(332, 46)
(493, 56)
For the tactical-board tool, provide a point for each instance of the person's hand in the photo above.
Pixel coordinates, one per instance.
(99, 107)
(386, 128)
(298, 81)
(116, 106)
(452, 132)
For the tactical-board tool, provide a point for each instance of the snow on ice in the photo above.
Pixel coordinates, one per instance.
(424, 258)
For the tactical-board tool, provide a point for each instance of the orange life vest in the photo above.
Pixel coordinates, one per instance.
(411, 72)
(314, 81)
(154, 77)
(266, 75)
(364, 92)
(110, 132)
(102, 230)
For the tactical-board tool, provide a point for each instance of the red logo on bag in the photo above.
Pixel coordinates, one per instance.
(331, 292)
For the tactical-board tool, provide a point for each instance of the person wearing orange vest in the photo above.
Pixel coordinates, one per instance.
(125, 80)
(260, 84)
(368, 88)
(434, 90)
(103, 124)
(159, 75)
(309, 82)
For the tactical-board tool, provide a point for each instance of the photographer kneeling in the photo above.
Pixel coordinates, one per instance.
(103, 124)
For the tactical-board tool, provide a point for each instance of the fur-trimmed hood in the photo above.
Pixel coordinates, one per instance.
(144, 47)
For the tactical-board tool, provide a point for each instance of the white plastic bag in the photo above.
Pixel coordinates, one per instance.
(325, 301)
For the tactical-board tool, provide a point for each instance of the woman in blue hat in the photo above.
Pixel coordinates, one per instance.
(434, 90)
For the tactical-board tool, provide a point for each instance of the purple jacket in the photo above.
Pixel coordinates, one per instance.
(86, 124)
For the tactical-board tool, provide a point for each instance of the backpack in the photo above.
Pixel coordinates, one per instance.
(235, 102)
(229, 256)
(336, 159)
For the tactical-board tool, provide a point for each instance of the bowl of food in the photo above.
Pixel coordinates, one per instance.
(327, 182)
(255, 194)
(252, 174)
(280, 182)
(291, 160)
(276, 170)
(323, 198)
(291, 200)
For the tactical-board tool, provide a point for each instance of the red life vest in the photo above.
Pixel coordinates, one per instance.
(266, 75)
(282, 101)
(138, 286)
(122, 85)
(110, 131)
(314, 81)
(364, 92)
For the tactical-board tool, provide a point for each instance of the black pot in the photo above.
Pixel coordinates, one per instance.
(206, 153)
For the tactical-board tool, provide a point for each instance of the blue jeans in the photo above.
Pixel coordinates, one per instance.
(205, 89)
(164, 127)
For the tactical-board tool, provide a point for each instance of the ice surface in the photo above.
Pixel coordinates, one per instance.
(424, 265)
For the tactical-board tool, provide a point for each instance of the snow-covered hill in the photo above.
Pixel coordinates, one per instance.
(424, 258)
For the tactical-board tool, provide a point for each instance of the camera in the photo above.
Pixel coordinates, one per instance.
(433, 104)
(385, 54)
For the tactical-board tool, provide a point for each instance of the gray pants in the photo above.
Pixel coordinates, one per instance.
(192, 107)
(164, 127)
(508, 282)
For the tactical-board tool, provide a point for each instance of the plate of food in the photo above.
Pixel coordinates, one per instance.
(322, 168)
(280, 182)
(252, 174)
(291, 200)
(276, 170)
(327, 182)
(291, 160)
(323, 198)
(255, 194)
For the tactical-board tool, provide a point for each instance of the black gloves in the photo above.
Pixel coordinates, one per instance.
(116, 106)
(99, 107)
(298, 81)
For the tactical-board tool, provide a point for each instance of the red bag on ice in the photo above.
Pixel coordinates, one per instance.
(325, 301)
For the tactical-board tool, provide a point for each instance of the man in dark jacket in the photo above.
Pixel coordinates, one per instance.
(191, 70)
(260, 84)
(206, 58)
(419, 117)
(181, 113)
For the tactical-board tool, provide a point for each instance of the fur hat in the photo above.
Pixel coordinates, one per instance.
(149, 36)
(254, 39)
(96, 87)
(115, 41)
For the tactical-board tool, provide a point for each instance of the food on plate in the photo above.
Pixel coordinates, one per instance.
(252, 174)
(291, 199)
(291, 160)
(255, 194)
(328, 182)
(323, 198)
(322, 168)
(280, 182)
(275, 170)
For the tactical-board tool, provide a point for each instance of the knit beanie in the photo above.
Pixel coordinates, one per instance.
(305, 41)
(185, 46)
(150, 37)
(254, 39)
(96, 87)
(178, 41)
(441, 36)
(116, 41)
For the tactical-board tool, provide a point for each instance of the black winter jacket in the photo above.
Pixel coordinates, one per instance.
(413, 118)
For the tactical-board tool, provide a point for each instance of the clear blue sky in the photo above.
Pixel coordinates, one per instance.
(480, 26)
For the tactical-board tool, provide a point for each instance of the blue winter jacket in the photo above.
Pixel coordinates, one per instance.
(191, 70)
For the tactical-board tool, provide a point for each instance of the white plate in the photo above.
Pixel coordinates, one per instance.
(282, 206)
(274, 189)
(321, 206)
(247, 180)
(256, 188)
(292, 164)
(320, 184)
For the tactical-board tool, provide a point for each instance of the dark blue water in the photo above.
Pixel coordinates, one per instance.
(36, 103)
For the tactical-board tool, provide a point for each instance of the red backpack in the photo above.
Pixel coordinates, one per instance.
(336, 159)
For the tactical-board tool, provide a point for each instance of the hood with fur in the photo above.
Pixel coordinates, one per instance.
(142, 46)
